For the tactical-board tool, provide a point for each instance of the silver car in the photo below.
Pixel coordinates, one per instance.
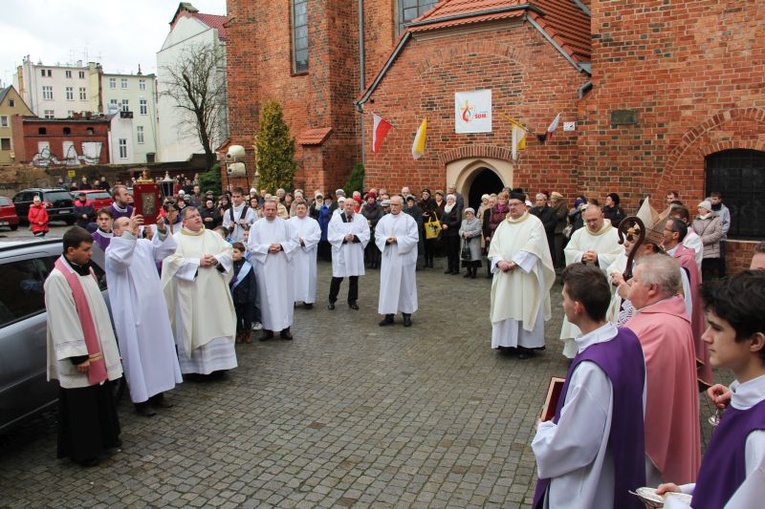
(24, 266)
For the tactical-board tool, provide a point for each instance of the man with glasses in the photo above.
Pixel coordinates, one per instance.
(598, 245)
(397, 236)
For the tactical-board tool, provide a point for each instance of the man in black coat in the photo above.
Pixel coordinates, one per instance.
(546, 214)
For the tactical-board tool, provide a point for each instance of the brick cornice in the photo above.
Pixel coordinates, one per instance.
(471, 151)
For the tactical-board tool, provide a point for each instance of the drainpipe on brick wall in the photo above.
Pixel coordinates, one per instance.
(361, 70)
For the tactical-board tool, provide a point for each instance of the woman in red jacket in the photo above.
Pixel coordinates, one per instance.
(38, 218)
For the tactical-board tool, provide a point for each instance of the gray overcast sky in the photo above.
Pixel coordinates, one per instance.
(120, 34)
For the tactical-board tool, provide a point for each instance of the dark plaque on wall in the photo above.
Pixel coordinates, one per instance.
(624, 117)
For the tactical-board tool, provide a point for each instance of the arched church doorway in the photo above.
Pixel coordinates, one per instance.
(485, 182)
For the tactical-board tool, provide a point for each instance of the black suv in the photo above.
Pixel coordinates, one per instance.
(58, 203)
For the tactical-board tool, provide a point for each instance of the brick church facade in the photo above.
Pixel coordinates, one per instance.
(661, 94)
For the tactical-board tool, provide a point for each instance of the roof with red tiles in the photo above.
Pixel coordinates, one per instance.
(564, 23)
(562, 20)
(216, 21)
(314, 136)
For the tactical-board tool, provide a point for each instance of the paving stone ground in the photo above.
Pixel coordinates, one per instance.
(349, 414)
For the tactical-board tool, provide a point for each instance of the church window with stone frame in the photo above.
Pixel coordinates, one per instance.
(299, 36)
(411, 9)
(739, 176)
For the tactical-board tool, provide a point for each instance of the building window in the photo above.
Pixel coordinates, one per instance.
(45, 73)
(67, 130)
(82, 75)
(410, 9)
(3, 120)
(90, 131)
(48, 93)
(123, 148)
(11, 103)
(299, 36)
(739, 176)
(42, 130)
(5, 143)
(125, 105)
(112, 83)
(49, 114)
(139, 133)
(143, 106)
(42, 72)
(124, 83)
(68, 74)
(69, 113)
(70, 93)
(83, 94)
(142, 84)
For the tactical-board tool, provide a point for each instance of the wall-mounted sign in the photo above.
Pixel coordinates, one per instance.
(569, 126)
(472, 112)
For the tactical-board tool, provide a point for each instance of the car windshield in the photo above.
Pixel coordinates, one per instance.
(100, 195)
(57, 195)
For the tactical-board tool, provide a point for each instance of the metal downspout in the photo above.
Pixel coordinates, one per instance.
(362, 79)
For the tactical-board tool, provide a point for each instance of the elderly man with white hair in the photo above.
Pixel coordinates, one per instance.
(349, 234)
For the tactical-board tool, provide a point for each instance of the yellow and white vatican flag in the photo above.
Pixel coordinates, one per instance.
(418, 147)
(519, 137)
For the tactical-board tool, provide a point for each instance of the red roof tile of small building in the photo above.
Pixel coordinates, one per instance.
(314, 136)
(216, 21)
(562, 20)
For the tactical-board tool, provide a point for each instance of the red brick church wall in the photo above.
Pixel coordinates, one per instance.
(530, 80)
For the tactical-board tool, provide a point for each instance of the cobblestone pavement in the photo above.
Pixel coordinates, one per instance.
(347, 414)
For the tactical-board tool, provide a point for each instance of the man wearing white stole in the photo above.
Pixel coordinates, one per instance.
(138, 307)
(272, 245)
(195, 281)
(396, 236)
(304, 265)
(523, 275)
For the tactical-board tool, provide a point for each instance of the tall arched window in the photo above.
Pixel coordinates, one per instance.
(739, 176)
(299, 36)
(410, 9)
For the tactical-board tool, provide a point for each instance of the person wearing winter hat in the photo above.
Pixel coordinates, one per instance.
(612, 211)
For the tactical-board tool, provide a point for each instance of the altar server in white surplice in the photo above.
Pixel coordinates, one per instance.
(523, 275)
(272, 244)
(304, 262)
(596, 244)
(396, 236)
(139, 310)
(195, 281)
(349, 234)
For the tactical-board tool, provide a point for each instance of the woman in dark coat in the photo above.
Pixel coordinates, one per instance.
(372, 212)
(450, 232)
(429, 212)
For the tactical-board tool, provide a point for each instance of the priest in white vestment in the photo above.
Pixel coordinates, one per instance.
(139, 311)
(596, 244)
(349, 234)
(397, 237)
(195, 281)
(304, 261)
(272, 244)
(239, 217)
(523, 275)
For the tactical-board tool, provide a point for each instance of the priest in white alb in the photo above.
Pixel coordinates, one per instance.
(272, 244)
(195, 281)
(304, 262)
(139, 312)
(397, 236)
(349, 234)
(523, 275)
(596, 244)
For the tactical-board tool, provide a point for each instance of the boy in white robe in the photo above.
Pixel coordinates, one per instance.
(304, 262)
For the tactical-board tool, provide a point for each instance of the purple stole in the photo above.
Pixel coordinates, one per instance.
(623, 362)
(724, 466)
(116, 213)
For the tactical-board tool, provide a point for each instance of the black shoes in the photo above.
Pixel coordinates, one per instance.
(144, 409)
(388, 320)
(407, 320)
(468, 274)
(353, 305)
(331, 305)
(159, 401)
(307, 305)
(267, 334)
(286, 334)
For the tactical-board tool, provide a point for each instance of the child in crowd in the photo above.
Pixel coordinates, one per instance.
(243, 291)
(732, 473)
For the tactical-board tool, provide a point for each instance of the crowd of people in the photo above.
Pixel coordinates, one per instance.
(646, 315)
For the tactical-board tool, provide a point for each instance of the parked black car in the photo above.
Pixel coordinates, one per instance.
(58, 203)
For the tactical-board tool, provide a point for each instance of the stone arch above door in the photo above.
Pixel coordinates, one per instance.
(462, 172)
